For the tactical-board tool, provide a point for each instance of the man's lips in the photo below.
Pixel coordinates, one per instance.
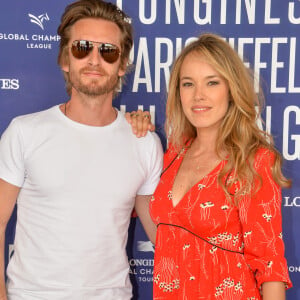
(92, 73)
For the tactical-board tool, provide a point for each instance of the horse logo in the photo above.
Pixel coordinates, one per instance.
(145, 246)
(39, 20)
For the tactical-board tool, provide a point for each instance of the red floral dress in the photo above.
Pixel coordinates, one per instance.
(207, 248)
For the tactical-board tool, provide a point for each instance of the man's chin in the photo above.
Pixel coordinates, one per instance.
(94, 91)
(95, 88)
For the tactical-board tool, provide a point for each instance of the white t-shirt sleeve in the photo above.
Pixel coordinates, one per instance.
(12, 167)
(154, 161)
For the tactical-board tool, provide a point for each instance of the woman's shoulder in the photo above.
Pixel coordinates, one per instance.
(170, 153)
(264, 157)
(174, 150)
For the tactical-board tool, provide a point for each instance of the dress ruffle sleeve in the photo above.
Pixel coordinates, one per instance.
(260, 215)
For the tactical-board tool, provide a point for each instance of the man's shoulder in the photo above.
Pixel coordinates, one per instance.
(35, 115)
(150, 145)
(149, 138)
(32, 123)
(33, 120)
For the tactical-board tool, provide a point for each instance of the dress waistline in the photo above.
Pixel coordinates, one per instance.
(201, 238)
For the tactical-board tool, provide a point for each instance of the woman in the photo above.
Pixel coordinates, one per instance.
(217, 206)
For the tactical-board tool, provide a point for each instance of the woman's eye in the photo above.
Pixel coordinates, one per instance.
(213, 82)
(186, 84)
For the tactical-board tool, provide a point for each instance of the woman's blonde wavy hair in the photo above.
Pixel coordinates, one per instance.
(239, 135)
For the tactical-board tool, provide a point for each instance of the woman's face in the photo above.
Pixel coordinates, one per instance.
(204, 93)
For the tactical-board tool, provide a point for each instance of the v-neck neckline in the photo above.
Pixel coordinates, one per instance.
(177, 165)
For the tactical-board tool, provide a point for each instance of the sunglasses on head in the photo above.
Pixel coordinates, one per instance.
(82, 48)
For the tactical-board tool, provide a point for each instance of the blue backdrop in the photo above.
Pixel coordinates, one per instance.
(266, 34)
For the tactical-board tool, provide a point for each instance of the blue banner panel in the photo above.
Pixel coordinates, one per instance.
(266, 34)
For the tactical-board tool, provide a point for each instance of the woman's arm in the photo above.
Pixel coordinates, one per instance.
(260, 215)
(273, 290)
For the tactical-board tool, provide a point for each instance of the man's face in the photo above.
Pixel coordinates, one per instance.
(92, 75)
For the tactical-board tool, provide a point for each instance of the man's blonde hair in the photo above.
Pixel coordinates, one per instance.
(97, 9)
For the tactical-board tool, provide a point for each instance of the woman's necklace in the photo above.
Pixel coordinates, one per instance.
(208, 166)
(198, 164)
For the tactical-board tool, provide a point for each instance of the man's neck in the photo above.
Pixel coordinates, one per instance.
(92, 111)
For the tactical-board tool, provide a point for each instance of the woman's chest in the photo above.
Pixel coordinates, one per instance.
(204, 209)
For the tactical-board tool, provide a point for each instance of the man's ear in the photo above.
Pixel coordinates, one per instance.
(121, 72)
(65, 68)
(122, 69)
(64, 64)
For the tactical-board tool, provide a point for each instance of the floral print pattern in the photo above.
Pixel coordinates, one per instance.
(208, 248)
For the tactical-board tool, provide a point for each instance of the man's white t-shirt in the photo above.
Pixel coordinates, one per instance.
(78, 187)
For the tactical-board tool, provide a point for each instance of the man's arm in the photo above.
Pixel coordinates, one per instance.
(142, 210)
(8, 196)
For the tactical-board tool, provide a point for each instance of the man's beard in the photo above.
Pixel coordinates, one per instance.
(94, 88)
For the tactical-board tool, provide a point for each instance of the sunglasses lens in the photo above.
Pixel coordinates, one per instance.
(81, 49)
(109, 52)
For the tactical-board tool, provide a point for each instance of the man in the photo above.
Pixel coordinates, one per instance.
(77, 171)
